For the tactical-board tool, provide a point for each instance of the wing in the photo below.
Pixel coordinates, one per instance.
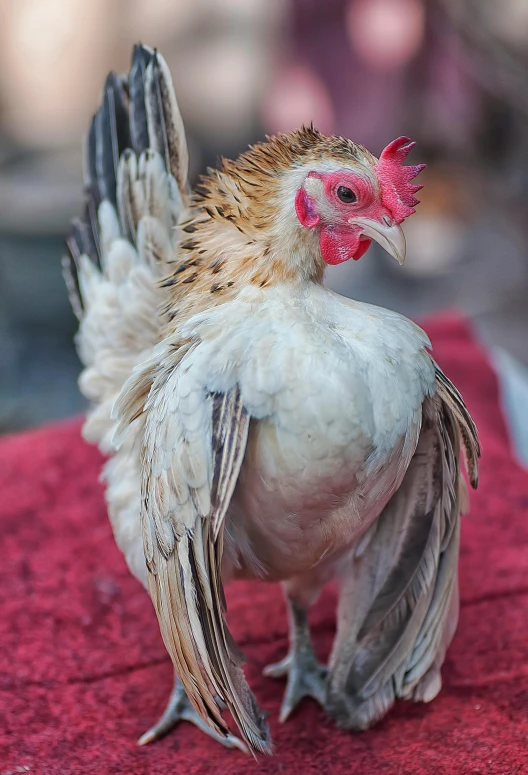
(193, 446)
(136, 191)
(399, 604)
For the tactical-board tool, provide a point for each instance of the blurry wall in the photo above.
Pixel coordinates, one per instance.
(449, 73)
(54, 58)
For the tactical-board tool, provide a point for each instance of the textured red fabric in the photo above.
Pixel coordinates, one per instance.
(83, 671)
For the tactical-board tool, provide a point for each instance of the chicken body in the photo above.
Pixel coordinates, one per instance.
(259, 425)
(329, 416)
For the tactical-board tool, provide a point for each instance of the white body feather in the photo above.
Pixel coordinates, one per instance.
(336, 391)
(335, 388)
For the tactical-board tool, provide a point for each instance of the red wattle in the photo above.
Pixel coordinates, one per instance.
(364, 245)
(340, 244)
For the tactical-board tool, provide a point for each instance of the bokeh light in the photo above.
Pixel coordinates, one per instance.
(298, 96)
(385, 33)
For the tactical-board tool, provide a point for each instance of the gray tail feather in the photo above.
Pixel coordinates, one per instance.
(136, 113)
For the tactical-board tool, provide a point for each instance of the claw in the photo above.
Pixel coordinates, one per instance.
(306, 678)
(180, 709)
(278, 669)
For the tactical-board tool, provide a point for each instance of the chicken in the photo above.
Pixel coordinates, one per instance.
(257, 424)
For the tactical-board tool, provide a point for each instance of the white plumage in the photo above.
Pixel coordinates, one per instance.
(258, 424)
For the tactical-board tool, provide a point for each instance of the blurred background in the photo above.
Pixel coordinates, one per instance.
(449, 73)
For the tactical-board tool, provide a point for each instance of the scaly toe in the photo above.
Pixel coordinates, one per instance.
(179, 709)
(278, 669)
(306, 678)
(304, 682)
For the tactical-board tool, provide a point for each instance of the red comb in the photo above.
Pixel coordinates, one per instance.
(397, 191)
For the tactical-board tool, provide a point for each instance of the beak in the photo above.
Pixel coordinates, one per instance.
(387, 234)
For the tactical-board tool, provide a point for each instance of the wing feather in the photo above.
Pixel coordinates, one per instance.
(467, 428)
(193, 451)
(230, 431)
(404, 584)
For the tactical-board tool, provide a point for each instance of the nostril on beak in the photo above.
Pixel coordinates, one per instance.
(387, 221)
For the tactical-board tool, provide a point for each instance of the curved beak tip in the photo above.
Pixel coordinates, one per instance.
(390, 237)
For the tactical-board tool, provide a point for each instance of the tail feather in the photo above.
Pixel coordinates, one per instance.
(138, 118)
(83, 240)
(111, 136)
(139, 132)
(165, 125)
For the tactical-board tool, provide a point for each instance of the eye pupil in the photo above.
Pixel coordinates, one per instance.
(346, 195)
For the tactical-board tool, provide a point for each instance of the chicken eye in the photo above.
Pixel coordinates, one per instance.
(346, 195)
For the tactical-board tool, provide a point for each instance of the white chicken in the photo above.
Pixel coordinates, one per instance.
(258, 424)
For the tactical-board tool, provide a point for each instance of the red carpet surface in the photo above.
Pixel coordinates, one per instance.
(83, 671)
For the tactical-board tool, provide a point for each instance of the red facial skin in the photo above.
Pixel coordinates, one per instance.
(340, 240)
(392, 202)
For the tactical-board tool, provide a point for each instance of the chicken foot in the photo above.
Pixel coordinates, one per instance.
(306, 677)
(178, 709)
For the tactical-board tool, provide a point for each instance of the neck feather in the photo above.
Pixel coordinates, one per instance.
(233, 240)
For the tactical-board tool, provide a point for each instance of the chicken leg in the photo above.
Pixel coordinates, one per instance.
(306, 677)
